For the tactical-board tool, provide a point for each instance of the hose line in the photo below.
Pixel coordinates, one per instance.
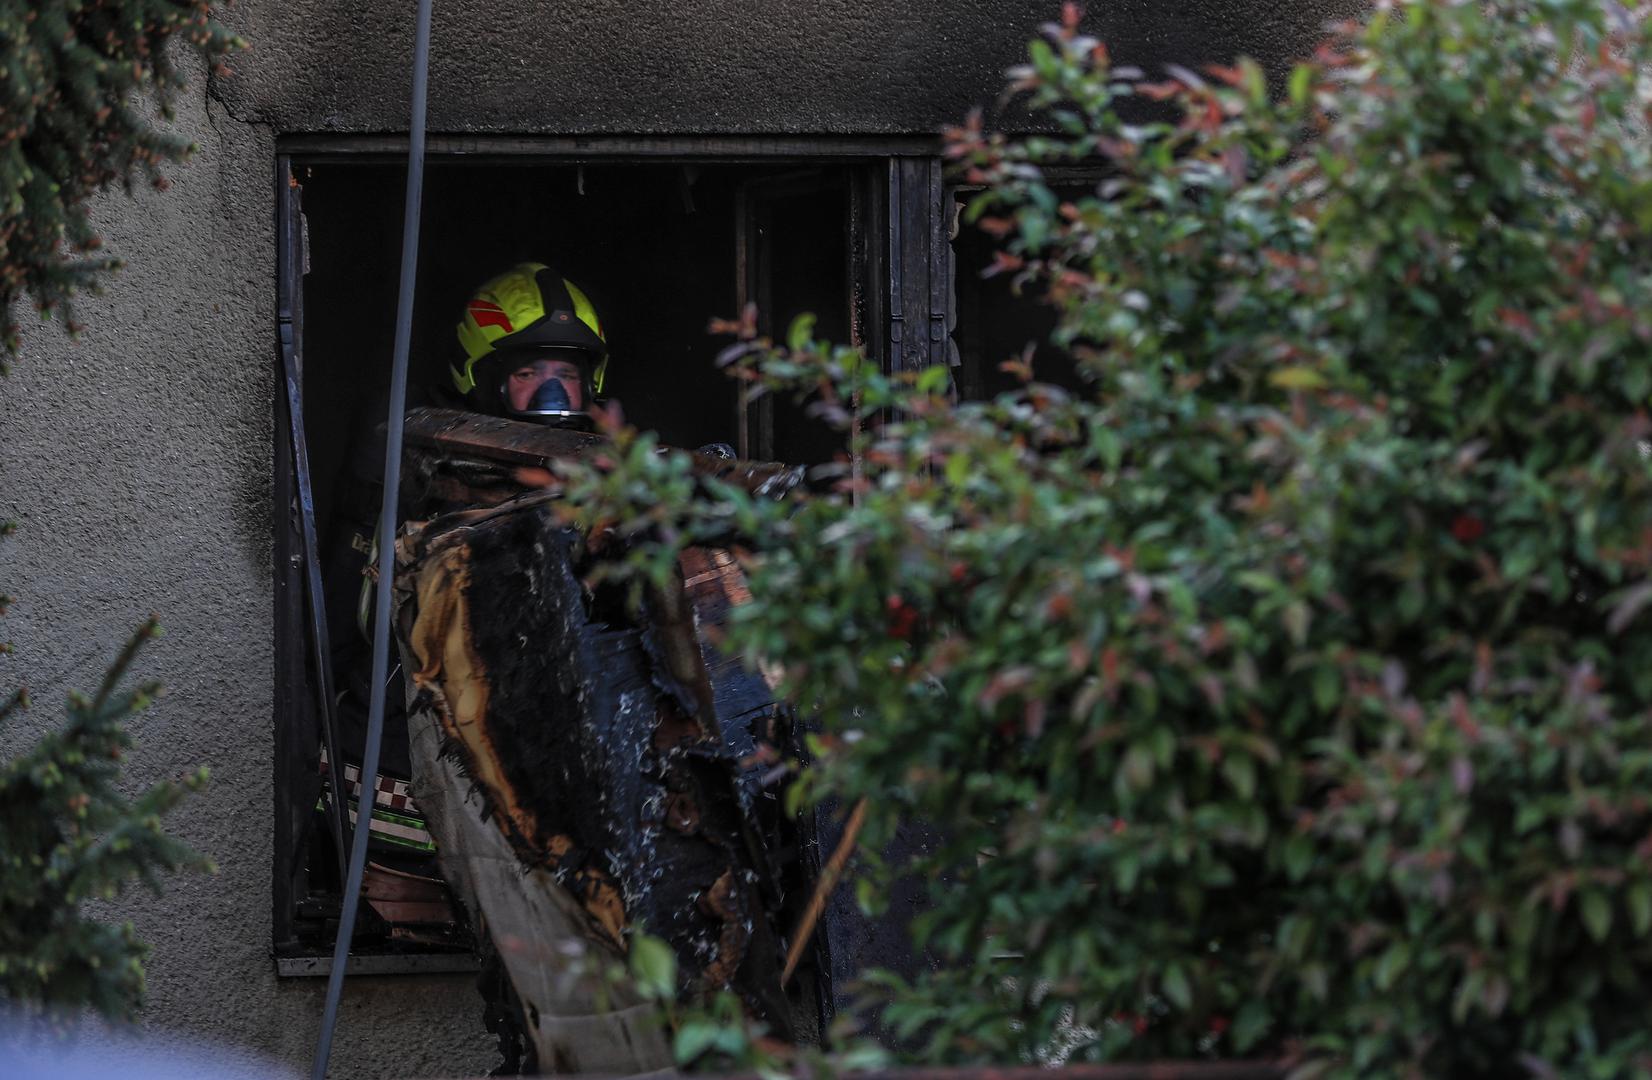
(387, 541)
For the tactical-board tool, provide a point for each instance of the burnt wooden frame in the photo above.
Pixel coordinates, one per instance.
(899, 258)
(292, 683)
(920, 265)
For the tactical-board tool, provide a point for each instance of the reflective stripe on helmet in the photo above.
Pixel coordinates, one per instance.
(519, 305)
(498, 309)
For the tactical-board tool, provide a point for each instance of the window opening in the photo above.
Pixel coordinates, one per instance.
(995, 321)
(659, 247)
(792, 257)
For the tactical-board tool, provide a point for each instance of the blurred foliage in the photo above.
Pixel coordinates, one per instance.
(1284, 693)
(69, 835)
(78, 81)
(713, 1033)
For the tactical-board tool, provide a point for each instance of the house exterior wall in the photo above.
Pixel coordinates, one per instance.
(137, 464)
(717, 66)
(138, 461)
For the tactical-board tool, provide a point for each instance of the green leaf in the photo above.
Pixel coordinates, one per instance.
(1327, 687)
(1392, 964)
(1596, 910)
(1468, 994)
(1042, 57)
(1138, 767)
(731, 1040)
(868, 898)
(1176, 987)
(1295, 932)
(1301, 81)
(1638, 898)
(1299, 856)
(1240, 770)
(1411, 600)
(1296, 618)
(801, 332)
(1529, 817)
(693, 1039)
(1163, 741)
(1251, 1023)
(1519, 563)
(862, 1057)
(1126, 871)
(654, 967)
(934, 379)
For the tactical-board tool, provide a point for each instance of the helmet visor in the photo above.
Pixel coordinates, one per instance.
(545, 385)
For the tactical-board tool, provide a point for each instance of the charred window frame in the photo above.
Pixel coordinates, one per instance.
(898, 305)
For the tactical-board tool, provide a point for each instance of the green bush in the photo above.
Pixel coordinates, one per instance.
(1284, 693)
(69, 835)
(76, 80)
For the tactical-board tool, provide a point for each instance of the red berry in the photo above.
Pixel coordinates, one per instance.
(902, 617)
(1467, 528)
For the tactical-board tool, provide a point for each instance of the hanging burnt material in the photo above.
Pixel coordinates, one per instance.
(614, 754)
(457, 459)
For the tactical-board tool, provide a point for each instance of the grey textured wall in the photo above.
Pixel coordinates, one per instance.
(138, 461)
(715, 66)
(137, 464)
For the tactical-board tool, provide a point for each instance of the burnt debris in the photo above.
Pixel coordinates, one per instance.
(617, 751)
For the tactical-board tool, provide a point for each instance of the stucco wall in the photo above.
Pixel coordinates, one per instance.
(137, 464)
(138, 461)
(719, 66)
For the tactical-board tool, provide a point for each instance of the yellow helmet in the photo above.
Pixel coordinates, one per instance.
(529, 309)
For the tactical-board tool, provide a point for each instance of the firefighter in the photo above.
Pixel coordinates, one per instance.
(530, 348)
(534, 349)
